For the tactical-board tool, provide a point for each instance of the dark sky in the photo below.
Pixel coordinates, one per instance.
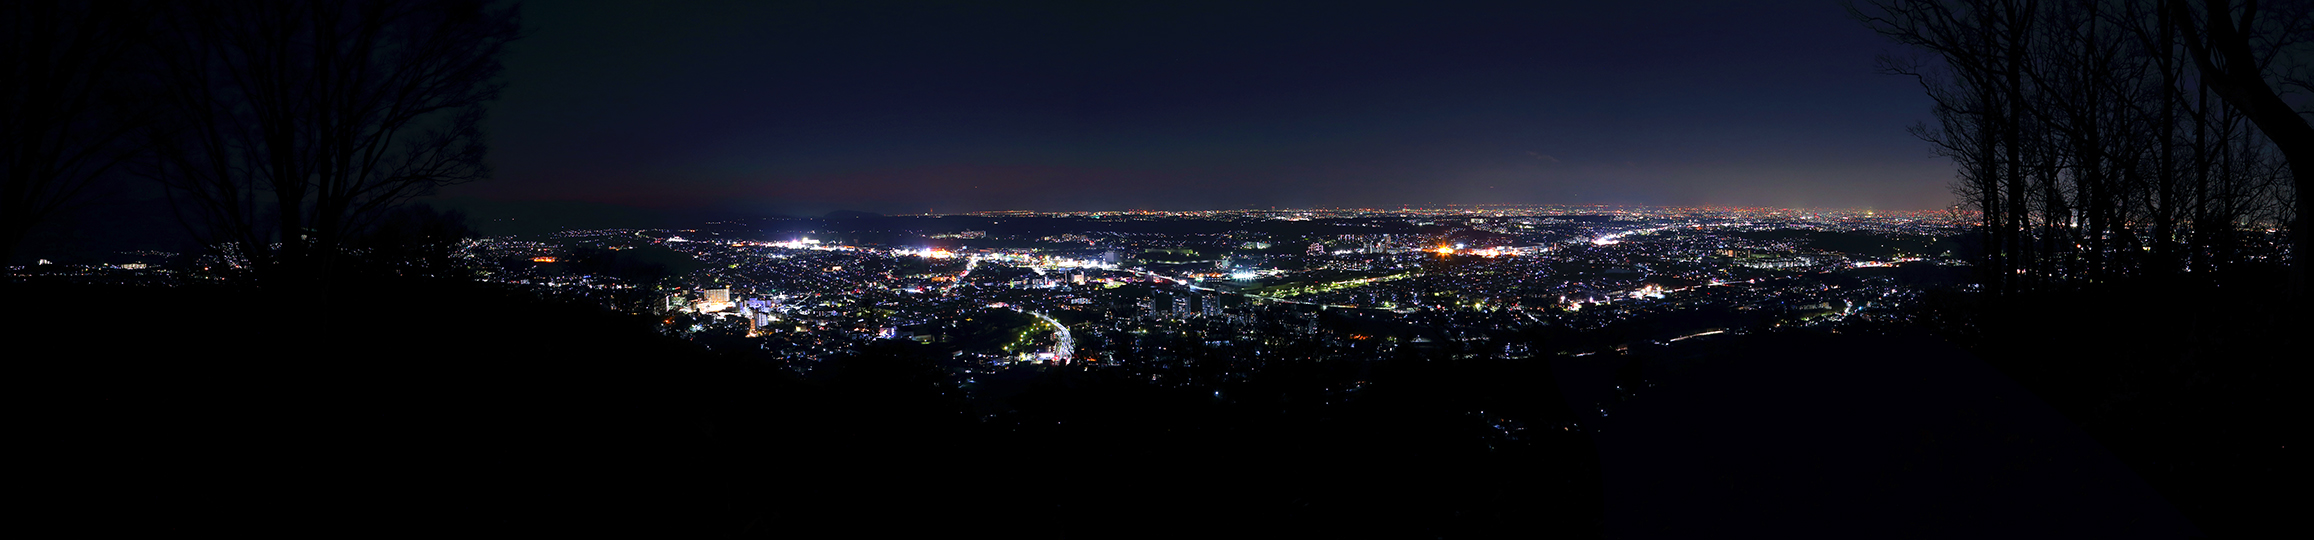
(805, 107)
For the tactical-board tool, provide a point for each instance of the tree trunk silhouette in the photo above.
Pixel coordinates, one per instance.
(294, 124)
(2067, 119)
(69, 108)
(2220, 46)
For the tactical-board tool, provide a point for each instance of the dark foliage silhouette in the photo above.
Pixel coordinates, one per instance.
(290, 126)
(71, 104)
(2141, 234)
(2089, 145)
(2240, 52)
(414, 240)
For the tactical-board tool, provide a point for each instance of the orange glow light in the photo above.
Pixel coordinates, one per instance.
(542, 259)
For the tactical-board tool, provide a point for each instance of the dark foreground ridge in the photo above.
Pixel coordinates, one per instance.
(405, 410)
(409, 407)
(1826, 436)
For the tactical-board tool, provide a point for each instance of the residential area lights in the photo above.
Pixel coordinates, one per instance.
(1144, 291)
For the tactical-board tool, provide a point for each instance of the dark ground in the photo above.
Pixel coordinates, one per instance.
(397, 410)
(2196, 386)
(401, 409)
(1846, 436)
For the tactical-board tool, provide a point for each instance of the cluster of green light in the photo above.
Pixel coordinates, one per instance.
(1332, 286)
(1023, 338)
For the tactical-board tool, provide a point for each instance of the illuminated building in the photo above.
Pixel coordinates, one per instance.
(716, 300)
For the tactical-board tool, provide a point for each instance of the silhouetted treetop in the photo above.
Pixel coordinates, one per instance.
(292, 125)
(70, 105)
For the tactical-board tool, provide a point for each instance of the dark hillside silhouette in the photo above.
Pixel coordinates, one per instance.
(414, 240)
(1817, 435)
(424, 406)
(2188, 385)
(2140, 195)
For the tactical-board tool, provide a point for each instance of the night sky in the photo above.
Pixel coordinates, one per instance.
(807, 107)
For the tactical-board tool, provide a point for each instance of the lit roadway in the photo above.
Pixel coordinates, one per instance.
(1064, 345)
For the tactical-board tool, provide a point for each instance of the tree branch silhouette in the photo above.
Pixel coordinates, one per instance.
(293, 125)
(68, 115)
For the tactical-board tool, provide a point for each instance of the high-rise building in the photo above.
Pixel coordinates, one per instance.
(718, 296)
(1181, 306)
(1212, 305)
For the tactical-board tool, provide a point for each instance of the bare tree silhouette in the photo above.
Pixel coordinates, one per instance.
(2088, 141)
(2236, 48)
(69, 109)
(291, 125)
